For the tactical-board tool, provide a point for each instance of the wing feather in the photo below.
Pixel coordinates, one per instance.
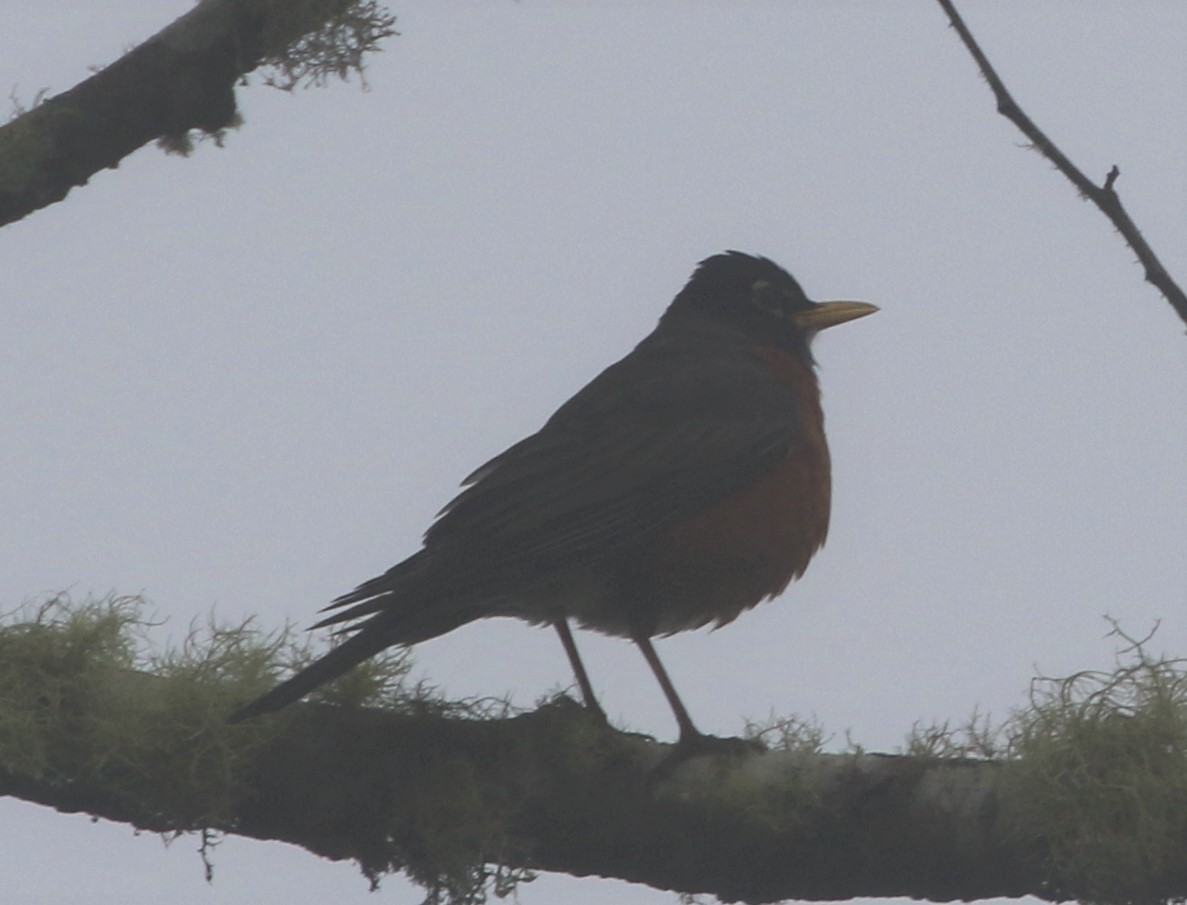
(672, 429)
(668, 431)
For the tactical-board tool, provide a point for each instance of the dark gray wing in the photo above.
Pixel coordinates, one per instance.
(678, 425)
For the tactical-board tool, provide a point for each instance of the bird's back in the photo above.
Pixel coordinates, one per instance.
(549, 527)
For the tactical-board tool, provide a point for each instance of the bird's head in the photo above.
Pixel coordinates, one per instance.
(758, 297)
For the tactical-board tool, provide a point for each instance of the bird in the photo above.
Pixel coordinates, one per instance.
(683, 485)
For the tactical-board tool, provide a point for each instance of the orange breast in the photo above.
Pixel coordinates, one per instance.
(750, 546)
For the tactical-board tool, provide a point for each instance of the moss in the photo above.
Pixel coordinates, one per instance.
(82, 706)
(75, 705)
(458, 837)
(309, 41)
(1102, 767)
(778, 733)
(977, 738)
(1098, 762)
(48, 662)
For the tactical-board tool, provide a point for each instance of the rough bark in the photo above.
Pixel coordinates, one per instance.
(182, 78)
(1095, 808)
(550, 790)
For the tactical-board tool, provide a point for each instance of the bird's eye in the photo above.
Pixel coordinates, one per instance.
(766, 298)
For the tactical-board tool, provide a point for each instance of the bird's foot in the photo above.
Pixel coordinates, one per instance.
(590, 714)
(590, 709)
(595, 712)
(697, 744)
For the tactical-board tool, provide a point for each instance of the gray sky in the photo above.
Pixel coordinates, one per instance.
(247, 380)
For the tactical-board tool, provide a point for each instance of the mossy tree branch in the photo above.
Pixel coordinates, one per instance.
(1088, 799)
(181, 79)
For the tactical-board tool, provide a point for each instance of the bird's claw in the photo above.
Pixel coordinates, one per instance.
(700, 745)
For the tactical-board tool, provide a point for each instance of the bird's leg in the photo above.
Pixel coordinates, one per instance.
(692, 742)
(587, 692)
(689, 734)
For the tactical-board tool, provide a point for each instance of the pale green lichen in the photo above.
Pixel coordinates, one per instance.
(787, 733)
(1104, 773)
(84, 698)
(976, 738)
(52, 656)
(1098, 764)
(309, 41)
(78, 700)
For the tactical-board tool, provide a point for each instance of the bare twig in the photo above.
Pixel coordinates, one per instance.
(1103, 196)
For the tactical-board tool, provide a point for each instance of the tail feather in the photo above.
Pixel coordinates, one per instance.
(363, 606)
(345, 656)
(400, 611)
(375, 595)
(387, 628)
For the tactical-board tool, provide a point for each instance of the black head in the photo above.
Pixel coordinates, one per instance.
(758, 297)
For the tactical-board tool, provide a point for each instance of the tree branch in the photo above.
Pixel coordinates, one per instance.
(1104, 196)
(550, 790)
(182, 78)
(442, 798)
(1090, 803)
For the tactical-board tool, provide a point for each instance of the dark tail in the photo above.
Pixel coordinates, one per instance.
(400, 612)
(347, 655)
(392, 625)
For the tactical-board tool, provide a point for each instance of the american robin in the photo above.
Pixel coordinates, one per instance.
(685, 484)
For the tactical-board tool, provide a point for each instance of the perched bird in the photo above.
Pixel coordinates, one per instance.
(684, 484)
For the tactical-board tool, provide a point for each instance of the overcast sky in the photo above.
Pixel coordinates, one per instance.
(245, 381)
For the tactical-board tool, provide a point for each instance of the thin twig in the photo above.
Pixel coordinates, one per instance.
(1103, 196)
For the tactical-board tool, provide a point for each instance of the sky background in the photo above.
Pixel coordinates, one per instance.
(245, 381)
